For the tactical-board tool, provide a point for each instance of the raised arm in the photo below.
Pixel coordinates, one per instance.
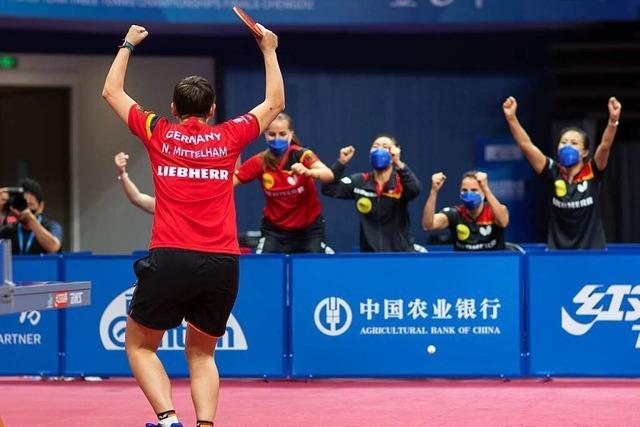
(143, 201)
(499, 210)
(430, 219)
(338, 188)
(410, 182)
(601, 157)
(531, 152)
(273, 103)
(113, 91)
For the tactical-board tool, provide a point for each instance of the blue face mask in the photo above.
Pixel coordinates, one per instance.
(278, 146)
(470, 200)
(380, 158)
(568, 156)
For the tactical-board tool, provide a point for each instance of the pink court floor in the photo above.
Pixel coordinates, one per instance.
(335, 403)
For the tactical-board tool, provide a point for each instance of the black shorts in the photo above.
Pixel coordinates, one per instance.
(275, 240)
(177, 284)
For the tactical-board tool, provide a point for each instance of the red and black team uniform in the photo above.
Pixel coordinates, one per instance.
(192, 268)
(479, 234)
(575, 219)
(292, 218)
(384, 211)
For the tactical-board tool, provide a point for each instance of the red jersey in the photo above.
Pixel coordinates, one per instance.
(291, 201)
(192, 164)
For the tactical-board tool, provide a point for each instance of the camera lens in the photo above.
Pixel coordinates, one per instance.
(16, 200)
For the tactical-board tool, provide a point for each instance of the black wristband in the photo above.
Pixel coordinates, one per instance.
(127, 45)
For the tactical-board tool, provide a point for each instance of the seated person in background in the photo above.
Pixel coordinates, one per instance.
(476, 225)
(382, 196)
(143, 201)
(292, 218)
(573, 180)
(32, 233)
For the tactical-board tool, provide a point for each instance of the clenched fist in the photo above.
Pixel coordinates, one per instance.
(482, 179)
(509, 107)
(614, 109)
(120, 161)
(136, 34)
(437, 181)
(346, 154)
(300, 169)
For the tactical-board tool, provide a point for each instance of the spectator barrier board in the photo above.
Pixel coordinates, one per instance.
(545, 313)
(584, 313)
(377, 315)
(253, 346)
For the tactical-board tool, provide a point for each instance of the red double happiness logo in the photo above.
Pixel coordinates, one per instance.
(61, 299)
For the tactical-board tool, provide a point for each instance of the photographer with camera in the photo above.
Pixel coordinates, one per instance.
(32, 233)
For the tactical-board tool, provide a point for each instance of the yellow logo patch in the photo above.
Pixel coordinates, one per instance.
(463, 232)
(561, 188)
(364, 205)
(267, 180)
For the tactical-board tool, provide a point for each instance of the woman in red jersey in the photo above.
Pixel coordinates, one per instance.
(292, 221)
(192, 269)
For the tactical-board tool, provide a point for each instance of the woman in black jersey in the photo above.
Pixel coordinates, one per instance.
(477, 223)
(573, 179)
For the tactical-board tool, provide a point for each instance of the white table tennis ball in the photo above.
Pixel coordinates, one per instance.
(431, 349)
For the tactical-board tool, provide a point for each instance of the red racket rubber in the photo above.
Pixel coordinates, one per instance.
(248, 21)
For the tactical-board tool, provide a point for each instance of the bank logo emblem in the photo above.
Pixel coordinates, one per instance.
(333, 316)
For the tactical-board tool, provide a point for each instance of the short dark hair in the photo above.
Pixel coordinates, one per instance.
(585, 136)
(386, 135)
(32, 186)
(193, 96)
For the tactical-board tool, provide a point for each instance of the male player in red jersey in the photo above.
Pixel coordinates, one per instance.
(192, 269)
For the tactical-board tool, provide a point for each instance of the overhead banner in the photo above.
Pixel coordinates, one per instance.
(402, 316)
(313, 13)
(584, 313)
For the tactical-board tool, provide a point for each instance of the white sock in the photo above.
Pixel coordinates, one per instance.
(168, 421)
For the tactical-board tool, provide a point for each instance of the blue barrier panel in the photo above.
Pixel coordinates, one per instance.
(584, 313)
(95, 335)
(623, 247)
(29, 340)
(260, 331)
(376, 315)
(533, 247)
